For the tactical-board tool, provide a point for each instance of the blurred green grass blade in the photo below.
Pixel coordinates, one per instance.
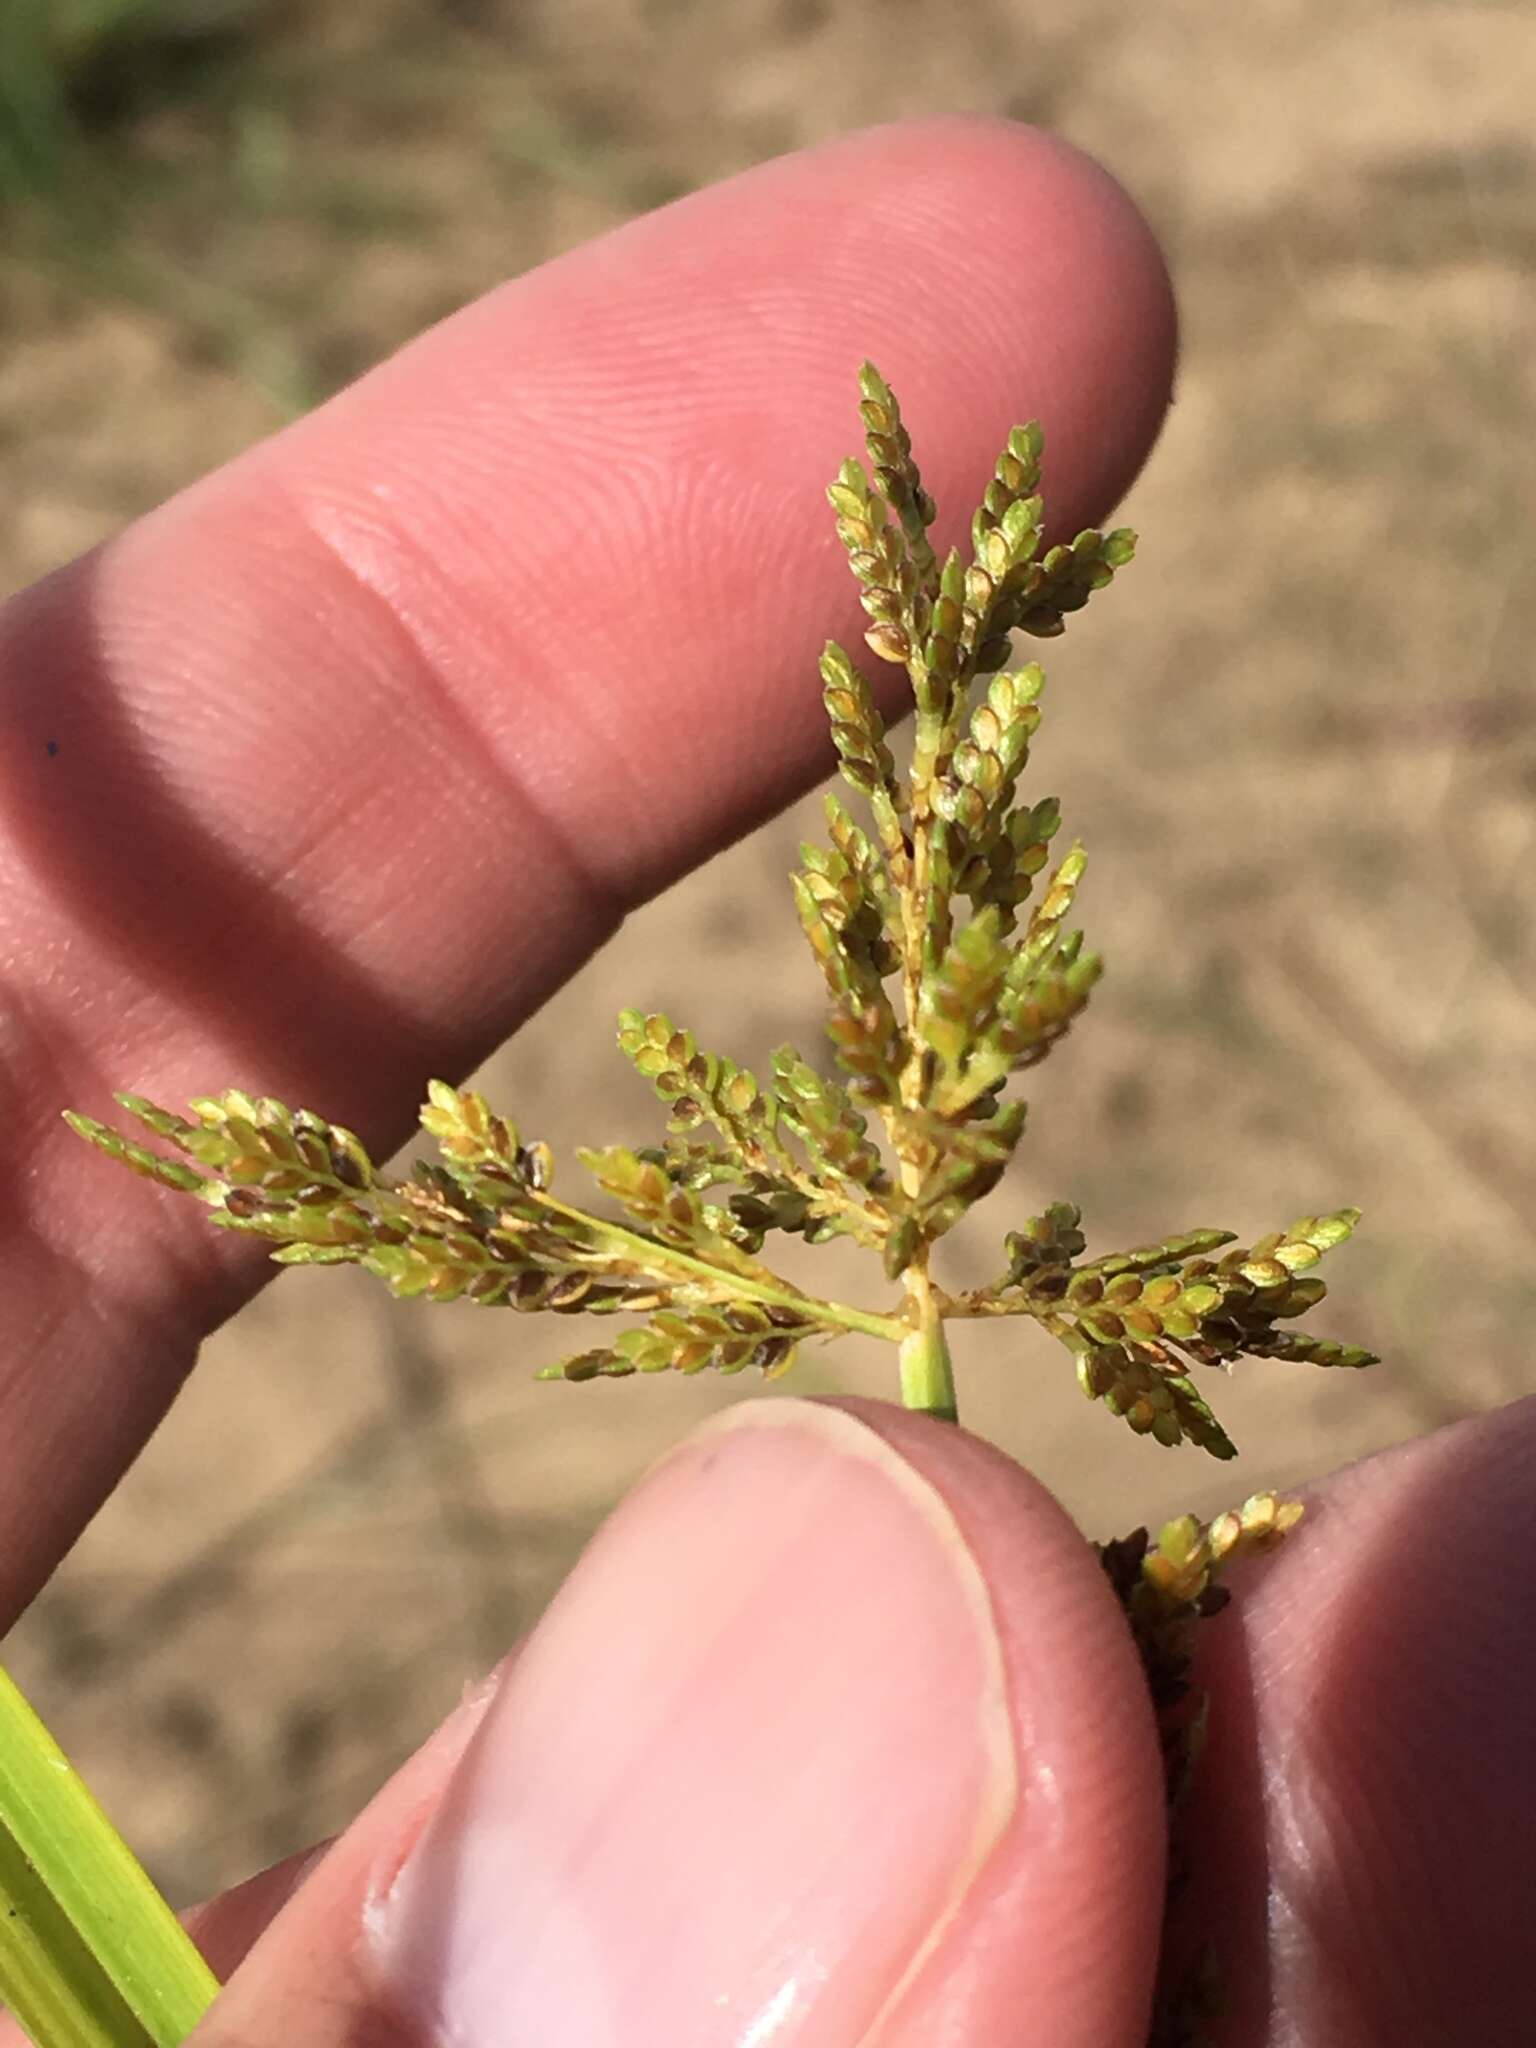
(49, 1980)
(91, 1956)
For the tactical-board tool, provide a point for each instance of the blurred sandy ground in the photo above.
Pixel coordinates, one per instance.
(1316, 909)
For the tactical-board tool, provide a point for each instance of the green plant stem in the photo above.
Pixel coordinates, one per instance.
(837, 1314)
(927, 1378)
(91, 1956)
(957, 1306)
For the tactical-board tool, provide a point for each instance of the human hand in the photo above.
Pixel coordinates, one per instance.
(877, 1733)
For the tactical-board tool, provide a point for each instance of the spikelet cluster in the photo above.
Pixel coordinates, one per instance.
(943, 927)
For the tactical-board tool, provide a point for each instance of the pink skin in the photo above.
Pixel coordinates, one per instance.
(392, 599)
(1364, 1820)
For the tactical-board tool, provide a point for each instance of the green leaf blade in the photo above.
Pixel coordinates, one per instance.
(128, 1952)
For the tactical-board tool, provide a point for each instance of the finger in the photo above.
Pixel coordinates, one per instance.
(835, 1735)
(1360, 1840)
(228, 1927)
(362, 742)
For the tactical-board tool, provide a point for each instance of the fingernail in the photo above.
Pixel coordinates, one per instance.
(741, 1776)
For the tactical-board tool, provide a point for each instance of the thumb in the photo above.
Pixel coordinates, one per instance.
(833, 1737)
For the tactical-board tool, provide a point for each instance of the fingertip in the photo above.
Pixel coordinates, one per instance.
(875, 1699)
(833, 1732)
(669, 398)
(1069, 315)
(993, 270)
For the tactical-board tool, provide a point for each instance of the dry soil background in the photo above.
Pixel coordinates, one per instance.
(1316, 911)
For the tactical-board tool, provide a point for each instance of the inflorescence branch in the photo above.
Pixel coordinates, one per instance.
(944, 935)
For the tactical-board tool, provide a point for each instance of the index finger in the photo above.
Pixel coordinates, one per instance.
(362, 743)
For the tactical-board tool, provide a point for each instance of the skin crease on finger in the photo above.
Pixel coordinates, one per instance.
(367, 739)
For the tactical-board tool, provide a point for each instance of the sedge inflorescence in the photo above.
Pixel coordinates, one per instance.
(943, 931)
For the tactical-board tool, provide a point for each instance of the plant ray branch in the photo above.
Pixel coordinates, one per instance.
(774, 1293)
